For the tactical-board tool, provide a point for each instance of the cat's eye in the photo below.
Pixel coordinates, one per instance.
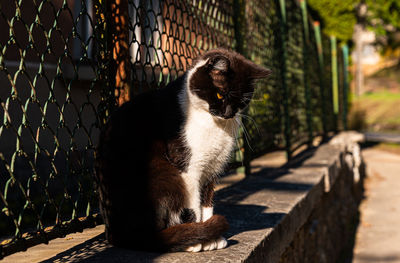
(219, 96)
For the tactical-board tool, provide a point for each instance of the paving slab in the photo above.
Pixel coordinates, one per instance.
(378, 234)
(56, 246)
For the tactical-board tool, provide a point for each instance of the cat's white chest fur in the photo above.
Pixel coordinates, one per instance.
(210, 142)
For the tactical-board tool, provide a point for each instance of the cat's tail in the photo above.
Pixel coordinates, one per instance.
(182, 236)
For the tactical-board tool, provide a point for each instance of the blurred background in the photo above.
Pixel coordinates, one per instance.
(373, 29)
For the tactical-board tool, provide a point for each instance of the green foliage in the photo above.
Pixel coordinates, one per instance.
(392, 73)
(384, 20)
(338, 16)
(377, 111)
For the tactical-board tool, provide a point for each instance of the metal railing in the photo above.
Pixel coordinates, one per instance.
(66, 65)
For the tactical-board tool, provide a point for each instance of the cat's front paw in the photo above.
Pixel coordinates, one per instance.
(195, 248)
(219, 243)
(215, 244)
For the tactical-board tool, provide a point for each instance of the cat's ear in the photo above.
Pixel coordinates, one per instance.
(258, 72)
(219, 63)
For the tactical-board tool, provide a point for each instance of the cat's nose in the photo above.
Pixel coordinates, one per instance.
(229, 112)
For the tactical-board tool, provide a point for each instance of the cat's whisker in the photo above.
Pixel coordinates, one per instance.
(252, 120)
(238, 146)
(255, 100)
(245, 108)
(226, 124)
(245, 100)
(250, 95)
(236, 136)
(246, 135)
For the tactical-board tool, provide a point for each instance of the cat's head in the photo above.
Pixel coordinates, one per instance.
(222, 82)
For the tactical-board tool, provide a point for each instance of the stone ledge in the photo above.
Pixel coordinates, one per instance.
(265, 211)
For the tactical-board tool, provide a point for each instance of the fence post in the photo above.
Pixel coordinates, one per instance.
(317, 32)
(239, 21)
(244, 151)
(345, 52)
(117, 20)
(335, 81)
(285, 90)
(306, 39)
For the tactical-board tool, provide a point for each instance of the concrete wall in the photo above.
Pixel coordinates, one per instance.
(329, 232)
(303, 212)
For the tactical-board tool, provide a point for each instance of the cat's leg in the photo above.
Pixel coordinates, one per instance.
(193, 203)
(192, 183)
(205, 206)
(207, 196)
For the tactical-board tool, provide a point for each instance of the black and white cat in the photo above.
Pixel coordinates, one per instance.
(160, 154)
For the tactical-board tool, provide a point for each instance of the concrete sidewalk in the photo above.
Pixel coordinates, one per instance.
(378, 234)
(382, 137)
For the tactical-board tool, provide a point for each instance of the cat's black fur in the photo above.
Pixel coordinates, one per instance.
(143, 153)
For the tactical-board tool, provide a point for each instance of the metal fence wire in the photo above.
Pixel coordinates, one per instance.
(65, 65)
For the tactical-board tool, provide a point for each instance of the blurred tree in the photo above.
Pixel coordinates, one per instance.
(384, 20)
(338, 16)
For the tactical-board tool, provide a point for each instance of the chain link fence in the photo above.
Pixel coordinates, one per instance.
(65, 65)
